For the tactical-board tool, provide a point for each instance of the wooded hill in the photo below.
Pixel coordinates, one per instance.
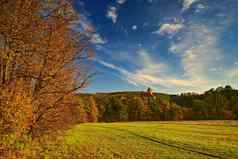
(220, 103)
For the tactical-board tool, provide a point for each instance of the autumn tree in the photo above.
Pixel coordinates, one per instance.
(155, 108)
(39, 47)
(93, 110)
(116, 110)
(216, 104)
(136, 107)
(146, 111)
(79, 112)
(200, 109)
(16, 113)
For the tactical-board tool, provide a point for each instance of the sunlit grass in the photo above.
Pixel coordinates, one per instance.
(156, 140)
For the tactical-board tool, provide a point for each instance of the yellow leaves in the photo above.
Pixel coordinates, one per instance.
(6, 54)
(16, 109)
(16, 116)
(38, 67)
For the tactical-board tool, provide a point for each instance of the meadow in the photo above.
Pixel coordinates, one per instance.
(156, 140)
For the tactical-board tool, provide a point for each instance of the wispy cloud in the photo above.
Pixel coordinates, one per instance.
(87, 29)
(126, 74)
(188, 3)
(97, 39)
(199, 8)
(198, 48)
(82, 24)
(121, 1)
(112, 13)
(156, 73)
(150, 73)
(142, 76)
(199, 52)
(169, 29)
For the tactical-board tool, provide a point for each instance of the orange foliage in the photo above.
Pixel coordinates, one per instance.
(39, 48)
(93, 114)
(17, 115)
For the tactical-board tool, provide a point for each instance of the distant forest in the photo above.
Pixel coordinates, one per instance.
(216, 104)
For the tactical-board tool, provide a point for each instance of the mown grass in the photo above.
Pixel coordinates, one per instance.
(157, 140)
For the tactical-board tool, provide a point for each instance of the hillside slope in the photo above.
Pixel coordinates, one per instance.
(220, 103)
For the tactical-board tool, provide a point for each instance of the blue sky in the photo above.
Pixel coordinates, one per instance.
(172, 46)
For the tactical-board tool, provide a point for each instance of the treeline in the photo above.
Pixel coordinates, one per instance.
(220, 103)
(126, 107)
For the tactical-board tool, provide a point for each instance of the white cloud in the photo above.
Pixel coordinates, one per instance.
(150, 73)
(201, 64)
(120, 70)
(97, 39)
(146, 75)
(112, 66)
(145, 60)
(199, 8)
(156, 73)
(82, 24)
(188, 3)
(169, 29)
(112, 14)
(86, 28)
(121, 1)
(134, 27)
(201, 61)
(199, 51)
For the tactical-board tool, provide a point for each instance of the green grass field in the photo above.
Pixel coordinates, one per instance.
(156, 140)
